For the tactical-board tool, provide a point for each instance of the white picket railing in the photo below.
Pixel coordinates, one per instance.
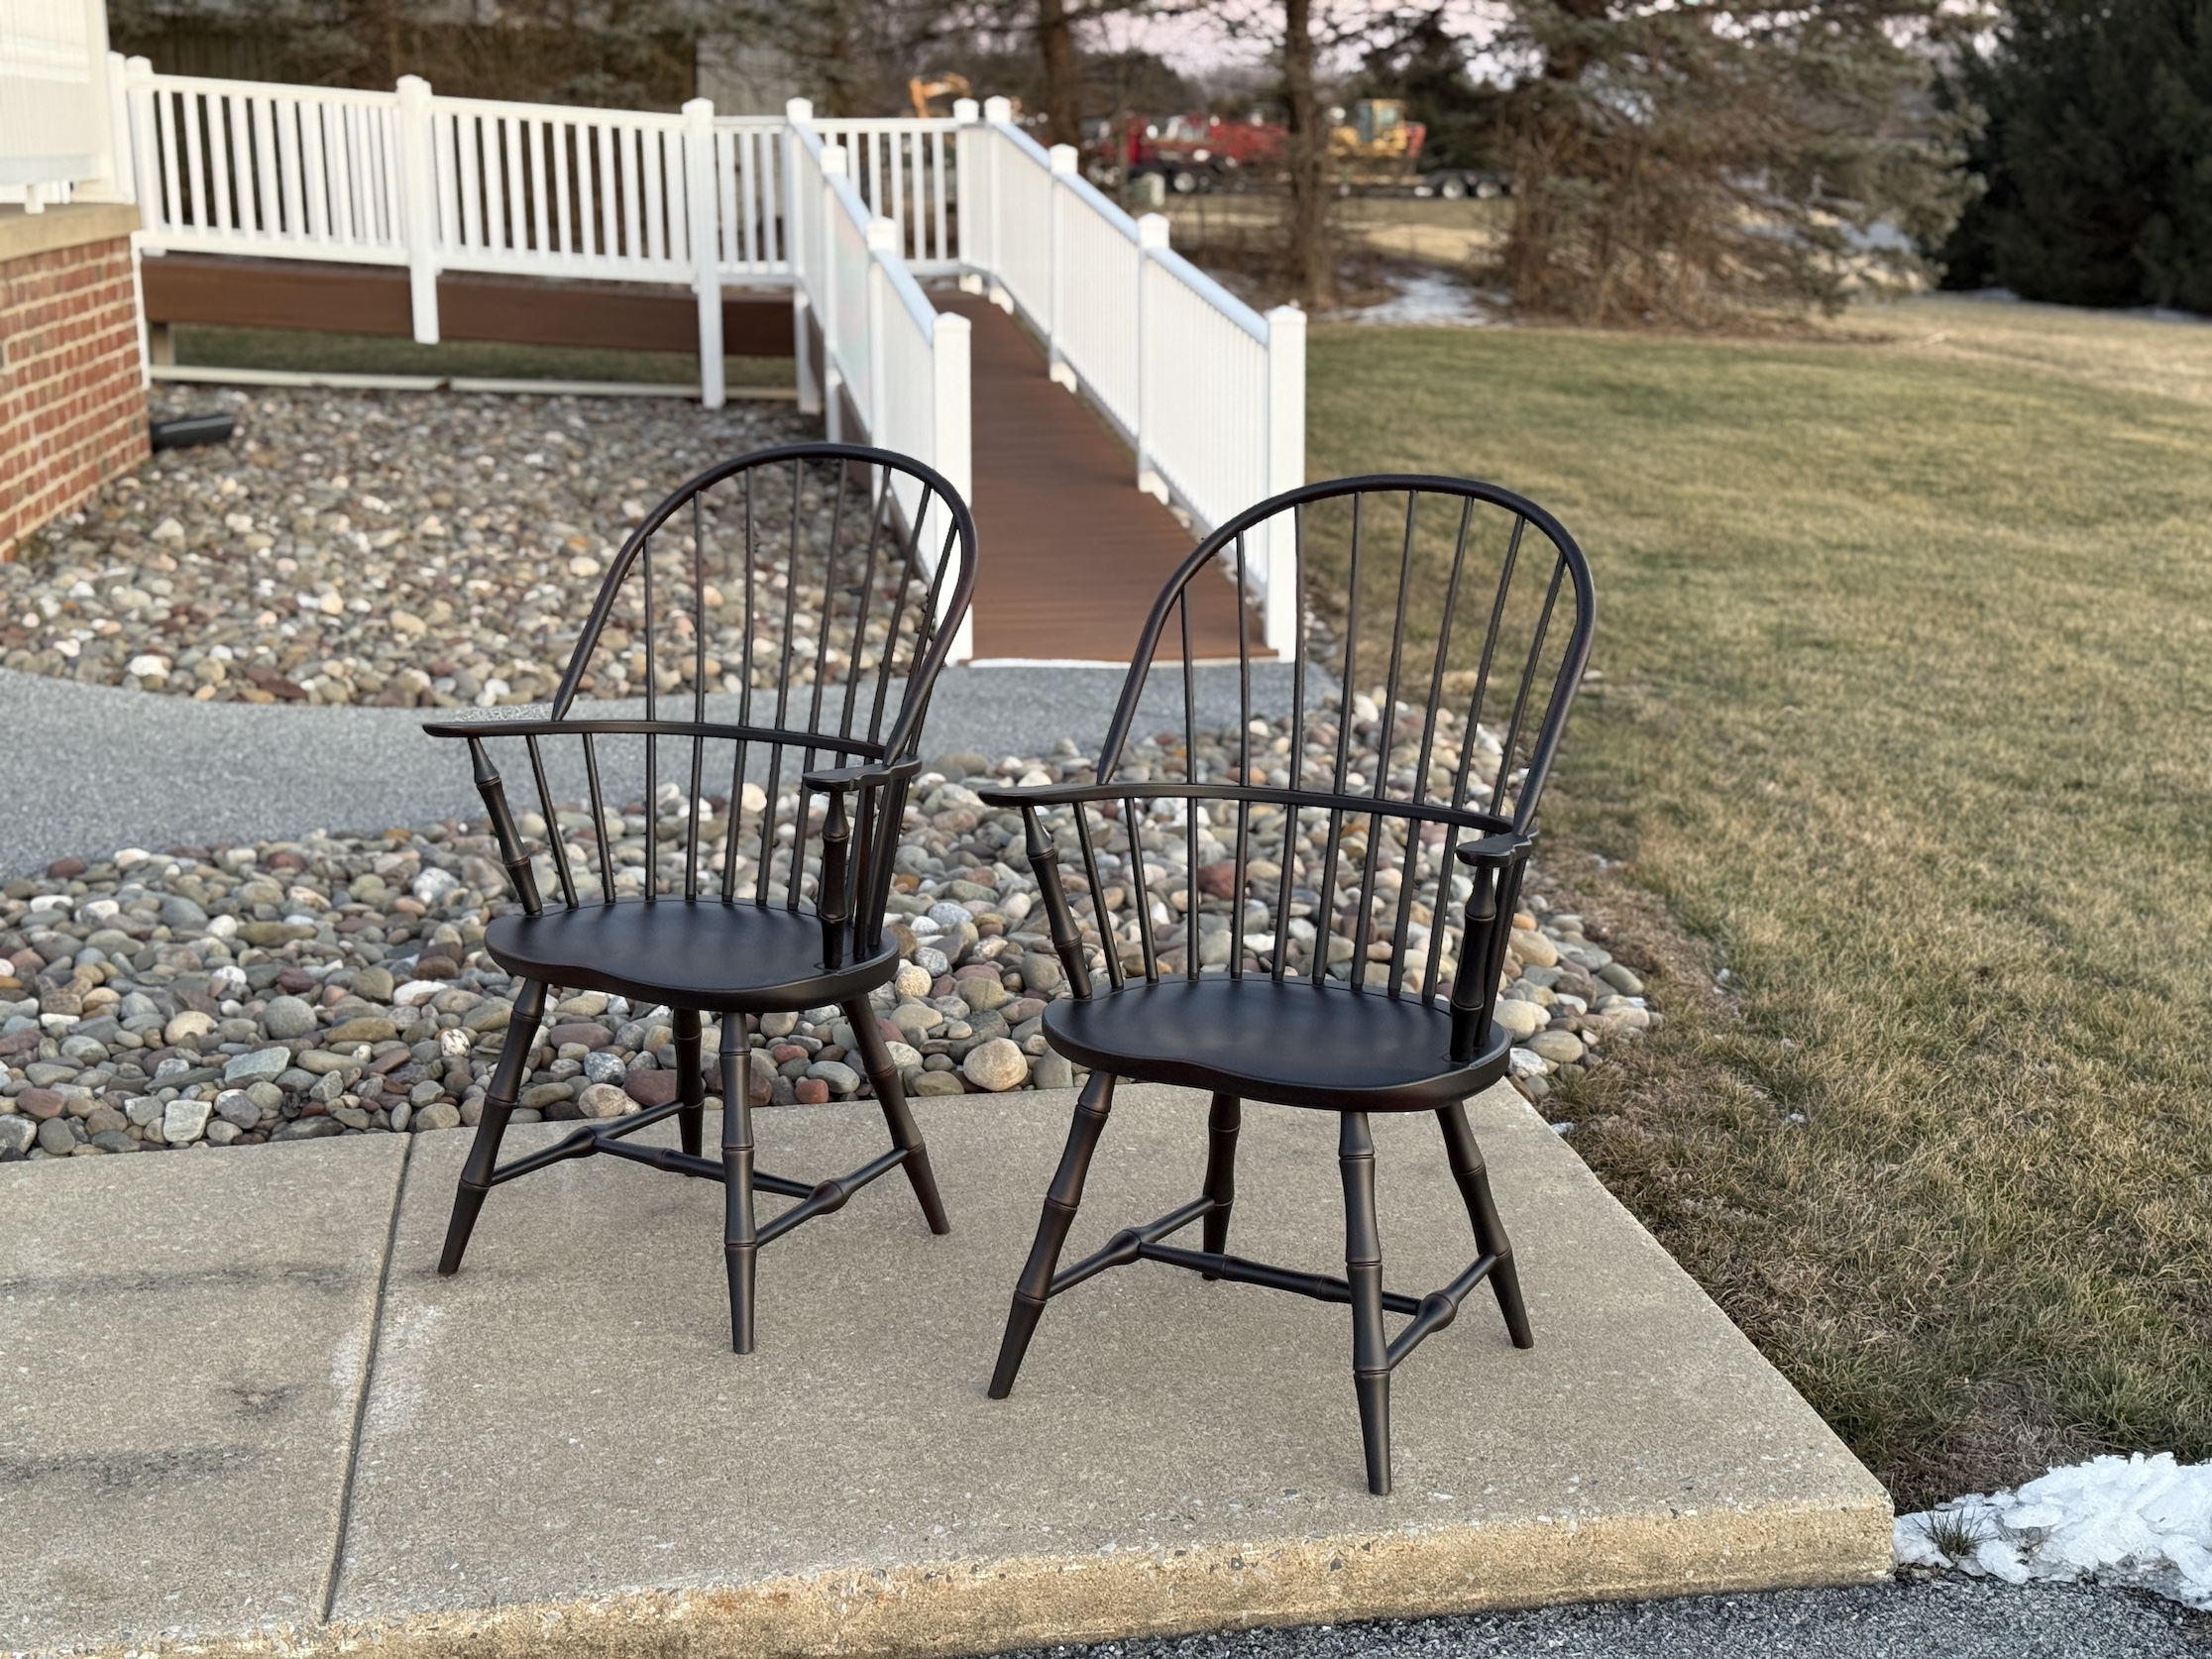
(905, 171)
(1209, 394)
(58, 115)
(231, 166)
(847, 214)
(890, 361)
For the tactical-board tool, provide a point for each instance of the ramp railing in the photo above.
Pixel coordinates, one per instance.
(890, 361)
(1209, 394)
(844, 214)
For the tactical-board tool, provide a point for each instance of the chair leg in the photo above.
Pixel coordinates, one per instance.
(875, 1056)
(1489, 1232)
(1222, 1124)
(691, 1117)
(1362, 1272)
(498, 1106)
(1062, 1199)
(740, 1234)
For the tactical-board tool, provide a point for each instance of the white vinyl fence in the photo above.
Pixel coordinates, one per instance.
(58, 111)
(1209, 394)
(889, 358)
(846, 215)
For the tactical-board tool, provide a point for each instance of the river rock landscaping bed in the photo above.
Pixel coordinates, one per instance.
(288, 990)
(408, 549)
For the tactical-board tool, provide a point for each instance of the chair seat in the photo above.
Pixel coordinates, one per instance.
(701, 953)
(1290, 1042)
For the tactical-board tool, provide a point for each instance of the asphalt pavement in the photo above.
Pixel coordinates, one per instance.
(87, 769)
(1947, 1618)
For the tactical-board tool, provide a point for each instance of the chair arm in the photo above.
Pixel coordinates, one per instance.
(1494, 852)
(1050, 794)
(866, 775)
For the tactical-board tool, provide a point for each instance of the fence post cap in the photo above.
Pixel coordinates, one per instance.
(883, 235)
(1064, 158)
(1152, 230)
(699, 109)
(1288, 319)
(407, 86)
(834, 159)
(966, 110)
(997, 109)
(798, 111)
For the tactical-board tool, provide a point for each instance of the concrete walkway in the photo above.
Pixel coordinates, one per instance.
(244, 1402)
(90, 768)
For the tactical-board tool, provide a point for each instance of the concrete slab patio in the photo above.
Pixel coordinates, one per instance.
(557, 1445)
(185, 1340)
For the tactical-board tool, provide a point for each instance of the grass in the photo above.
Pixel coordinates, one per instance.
(1904, 721)
(375, 354)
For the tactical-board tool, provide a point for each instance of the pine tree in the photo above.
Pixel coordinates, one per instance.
(1681, 164)
(2096, 153)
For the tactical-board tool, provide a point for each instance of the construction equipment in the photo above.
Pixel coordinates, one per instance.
(922, 92)
(1371, 147)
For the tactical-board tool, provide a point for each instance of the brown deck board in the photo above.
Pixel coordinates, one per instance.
(1073, 553)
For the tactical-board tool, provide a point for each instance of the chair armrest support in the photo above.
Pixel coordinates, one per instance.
(512, 852)
(836, 904)
(1497, 861)
(1067, 940)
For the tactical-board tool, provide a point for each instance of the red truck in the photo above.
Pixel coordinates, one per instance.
(1371, 145)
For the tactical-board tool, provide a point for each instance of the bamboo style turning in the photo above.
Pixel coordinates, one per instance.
(817, 588)
(1314, 909)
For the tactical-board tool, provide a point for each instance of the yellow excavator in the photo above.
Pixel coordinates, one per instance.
(923, 93)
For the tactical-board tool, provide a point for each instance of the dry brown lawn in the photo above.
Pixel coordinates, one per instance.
(1904, 723)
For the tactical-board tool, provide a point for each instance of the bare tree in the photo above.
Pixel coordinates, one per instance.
(1064, 79)
(1310, 251)
(1306, 41)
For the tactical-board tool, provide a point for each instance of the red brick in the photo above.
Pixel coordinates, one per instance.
(72, 411)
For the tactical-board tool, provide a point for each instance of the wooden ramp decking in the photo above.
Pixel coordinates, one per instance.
(1073, 554)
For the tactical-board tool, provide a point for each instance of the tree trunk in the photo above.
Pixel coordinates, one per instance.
(1543, 141)
(1312, 261)
(1055, 39)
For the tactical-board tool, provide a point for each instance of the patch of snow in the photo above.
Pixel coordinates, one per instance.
(2137, 1520)
(1429, 299)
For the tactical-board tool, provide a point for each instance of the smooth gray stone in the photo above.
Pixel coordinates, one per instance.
(288, 1017)
(259, 1066)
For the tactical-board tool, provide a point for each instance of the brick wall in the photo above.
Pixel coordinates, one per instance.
(72, 411)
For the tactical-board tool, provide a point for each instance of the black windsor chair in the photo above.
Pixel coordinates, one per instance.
(820, 587)
(1312, 909)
